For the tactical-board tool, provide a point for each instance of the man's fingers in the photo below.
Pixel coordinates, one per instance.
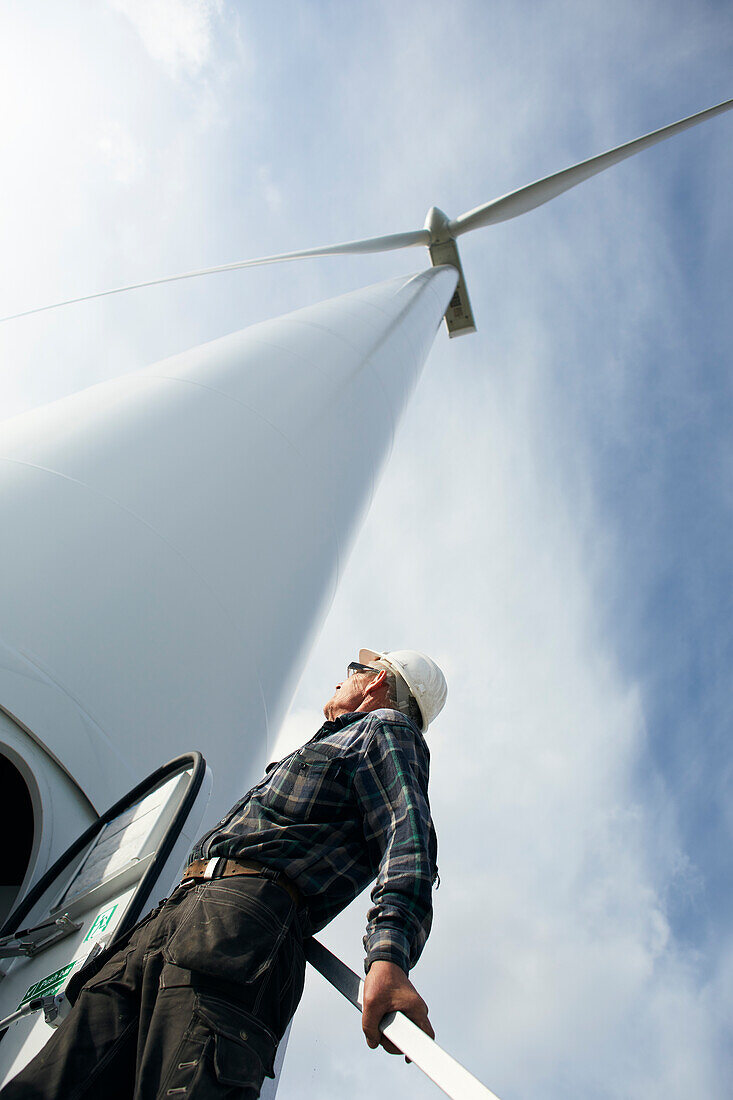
(375, 1038)
(422, 1021)
(390, 1047)
(418, 1013)
(370, 1025)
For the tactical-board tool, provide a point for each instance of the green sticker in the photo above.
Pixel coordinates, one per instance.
(100, 922)
(49, 985)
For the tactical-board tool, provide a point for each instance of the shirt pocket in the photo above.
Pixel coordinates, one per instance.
(312, 758)
(314, 787)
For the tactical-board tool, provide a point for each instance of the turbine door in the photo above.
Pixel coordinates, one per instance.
(94, 893)
(41, 811)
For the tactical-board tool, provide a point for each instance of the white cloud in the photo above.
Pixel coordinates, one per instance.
(177, 33)
(121, 153)
(271, 192)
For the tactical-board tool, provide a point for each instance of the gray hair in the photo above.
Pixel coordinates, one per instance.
(399, 695)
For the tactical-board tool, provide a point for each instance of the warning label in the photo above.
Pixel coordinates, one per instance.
(100, 923)
(48, 985)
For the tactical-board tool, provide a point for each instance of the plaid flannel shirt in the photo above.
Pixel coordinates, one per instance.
(349, 806)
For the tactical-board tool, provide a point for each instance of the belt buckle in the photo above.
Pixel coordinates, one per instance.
(211, 868)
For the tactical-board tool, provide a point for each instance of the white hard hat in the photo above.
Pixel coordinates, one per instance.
(421, 674)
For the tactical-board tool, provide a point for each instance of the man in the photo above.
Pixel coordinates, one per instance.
(194, 1000)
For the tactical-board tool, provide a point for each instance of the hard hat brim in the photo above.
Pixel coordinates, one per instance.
(367, 655)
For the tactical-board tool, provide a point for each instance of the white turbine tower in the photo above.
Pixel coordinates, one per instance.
(171, 542)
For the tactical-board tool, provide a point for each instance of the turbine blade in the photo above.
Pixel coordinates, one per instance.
(370, 244)
(535, 194)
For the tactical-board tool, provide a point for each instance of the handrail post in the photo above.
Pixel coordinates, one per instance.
(442, 1069)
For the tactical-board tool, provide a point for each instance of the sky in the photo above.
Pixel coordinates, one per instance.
(554, 524)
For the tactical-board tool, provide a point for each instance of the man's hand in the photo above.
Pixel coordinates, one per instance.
(388, 989)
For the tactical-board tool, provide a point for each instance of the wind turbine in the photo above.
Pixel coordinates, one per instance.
(440, 233)
(174, 538)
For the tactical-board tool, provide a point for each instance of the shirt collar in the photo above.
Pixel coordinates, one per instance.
(333, 726)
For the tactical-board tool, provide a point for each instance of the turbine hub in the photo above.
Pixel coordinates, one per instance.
(438, 225)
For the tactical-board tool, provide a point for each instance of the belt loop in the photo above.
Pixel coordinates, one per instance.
(212, 867)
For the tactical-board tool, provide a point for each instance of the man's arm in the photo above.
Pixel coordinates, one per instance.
(391, 789)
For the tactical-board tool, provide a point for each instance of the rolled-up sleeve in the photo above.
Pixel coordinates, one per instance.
(391, 788)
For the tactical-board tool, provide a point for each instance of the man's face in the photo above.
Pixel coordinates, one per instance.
(362, 691)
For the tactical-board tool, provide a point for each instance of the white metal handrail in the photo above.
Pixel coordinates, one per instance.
(448, 1074)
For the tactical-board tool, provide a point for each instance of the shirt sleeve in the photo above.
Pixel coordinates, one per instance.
(391, 787)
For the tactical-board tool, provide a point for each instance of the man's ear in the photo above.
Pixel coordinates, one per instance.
(375, 682)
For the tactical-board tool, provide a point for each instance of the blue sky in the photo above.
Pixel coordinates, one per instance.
(555, 522)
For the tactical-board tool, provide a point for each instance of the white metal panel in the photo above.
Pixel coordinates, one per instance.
(60, 810)
(173, 538)
(125, 628)
(55, 717)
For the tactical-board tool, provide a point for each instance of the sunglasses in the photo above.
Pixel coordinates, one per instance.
(355, 667)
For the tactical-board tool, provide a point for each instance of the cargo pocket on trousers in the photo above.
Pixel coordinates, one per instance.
(108, 972)
(244, 1049)
(232, 932)
(237, 1064)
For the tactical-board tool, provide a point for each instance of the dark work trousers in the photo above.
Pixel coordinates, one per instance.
(192, 1004)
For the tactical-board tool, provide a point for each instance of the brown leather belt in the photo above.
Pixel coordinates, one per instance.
(207, 869)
